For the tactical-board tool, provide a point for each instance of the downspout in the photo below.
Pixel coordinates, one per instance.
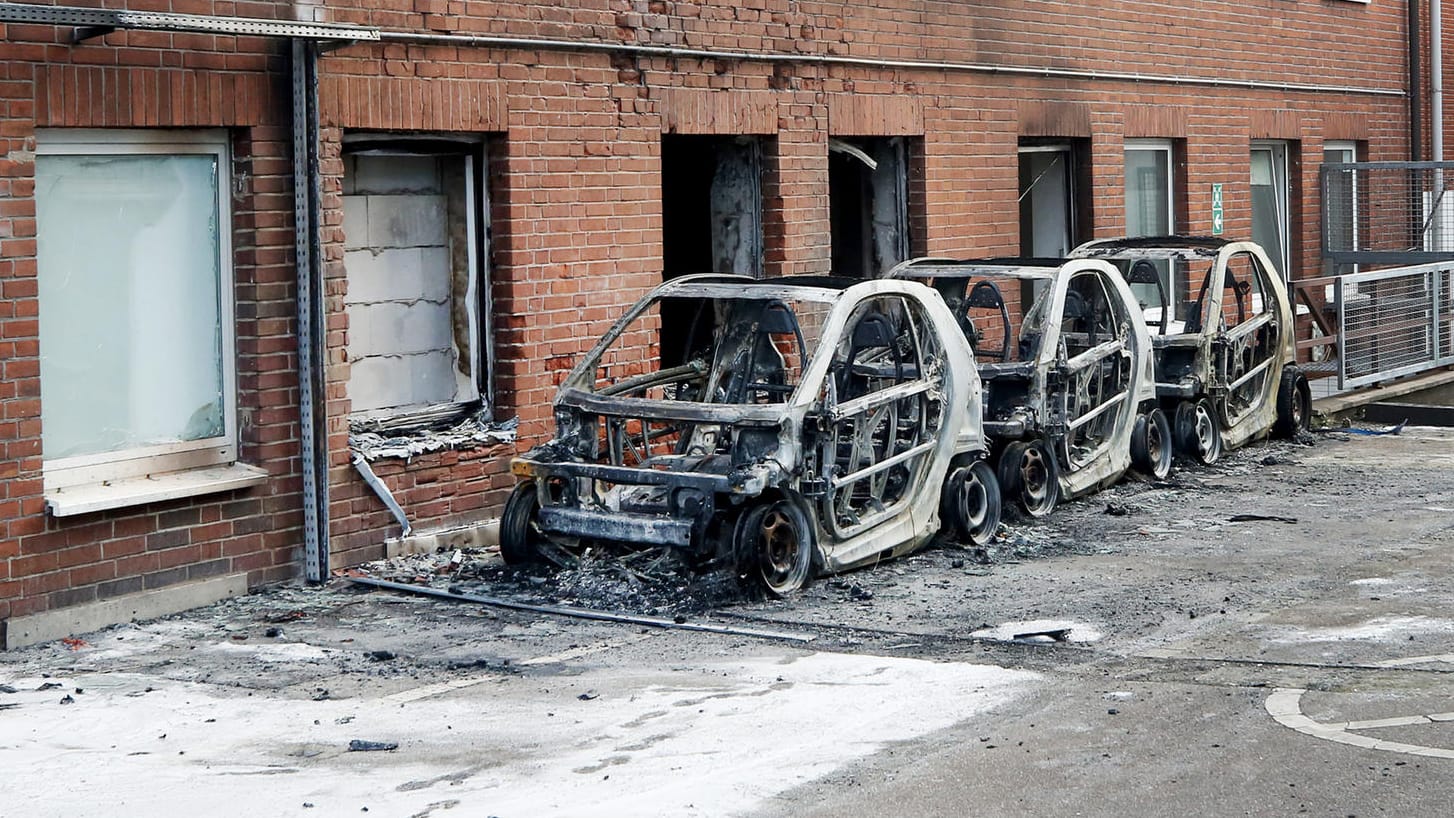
(307, 222)
(1436, 79)
(1416, 85)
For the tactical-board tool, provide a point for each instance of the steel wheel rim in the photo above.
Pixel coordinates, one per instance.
(1206, 431)
(973, 501)
(779, 544)
(1034, 476)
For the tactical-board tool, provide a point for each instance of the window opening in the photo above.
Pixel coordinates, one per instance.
(414, 248)
(868, 199)
(1150, 205)
(1050, 198)
(1270, 194)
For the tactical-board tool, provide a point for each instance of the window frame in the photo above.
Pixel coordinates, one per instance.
(1167, 147)
(1280, 153)
(79, 470)
(1066, 150)
(476, 152)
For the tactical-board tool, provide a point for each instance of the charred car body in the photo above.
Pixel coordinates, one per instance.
(1221, 323)
(1065, 358)
(781, 426)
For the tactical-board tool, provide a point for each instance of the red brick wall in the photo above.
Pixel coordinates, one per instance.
(140, 80)
(575, 193)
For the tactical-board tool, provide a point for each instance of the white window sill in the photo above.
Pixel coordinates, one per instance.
(135, 491)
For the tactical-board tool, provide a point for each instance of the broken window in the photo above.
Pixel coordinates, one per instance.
(868, 193)
(711, 203)
(135, 290)
(415, 251)
(1053, 204)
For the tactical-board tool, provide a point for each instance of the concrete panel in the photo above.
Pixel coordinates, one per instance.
(20, 631)
(355, 222)
(397, 173)
(404, 274)
(393, 328)
(386, 382)
(407, 221)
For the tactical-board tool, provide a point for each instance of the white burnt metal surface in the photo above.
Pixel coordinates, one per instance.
(1066, 361)
(802, 425)
(1222, 327)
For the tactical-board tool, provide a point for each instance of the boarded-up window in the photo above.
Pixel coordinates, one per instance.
(413, 254)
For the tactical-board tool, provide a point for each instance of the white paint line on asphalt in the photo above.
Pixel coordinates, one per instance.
(1417, 660)
(576, 653)
(415, 694)
(1285, 706)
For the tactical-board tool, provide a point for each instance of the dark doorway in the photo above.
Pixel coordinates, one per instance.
(868, 191)
(711, 203)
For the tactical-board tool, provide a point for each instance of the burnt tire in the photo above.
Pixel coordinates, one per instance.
(1198, 434)
(1151, 444)
(1294, 403)
(971, 503)
(774, 547)
(1008, 469)
(520, 539)
(1037, 476)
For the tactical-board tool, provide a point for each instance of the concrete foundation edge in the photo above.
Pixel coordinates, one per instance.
(483, 535)
(19, 631)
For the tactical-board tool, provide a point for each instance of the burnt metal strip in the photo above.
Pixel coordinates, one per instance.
(586, 613)
(638, 408)
(619, 526)
(626, 475)
(96, 22)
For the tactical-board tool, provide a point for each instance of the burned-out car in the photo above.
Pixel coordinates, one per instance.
(1065, 358)
(1221, 323)
(781, 427)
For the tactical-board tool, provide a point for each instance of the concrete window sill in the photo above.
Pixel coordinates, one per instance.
(135, 491)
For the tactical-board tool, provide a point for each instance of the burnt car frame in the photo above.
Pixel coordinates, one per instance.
(783, 427)
(1070, 401)
(1221, 322)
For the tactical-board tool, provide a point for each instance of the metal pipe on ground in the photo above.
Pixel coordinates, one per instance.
(584, 613)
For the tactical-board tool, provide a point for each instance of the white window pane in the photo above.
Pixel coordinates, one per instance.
(1148, 192)
(130, 322)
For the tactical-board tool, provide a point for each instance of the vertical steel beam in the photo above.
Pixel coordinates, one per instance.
(312, 396)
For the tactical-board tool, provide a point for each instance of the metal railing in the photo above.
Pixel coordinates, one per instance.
(1386, 213)
(1394, 322)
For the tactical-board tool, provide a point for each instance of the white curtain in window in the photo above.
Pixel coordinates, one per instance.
(130, 329)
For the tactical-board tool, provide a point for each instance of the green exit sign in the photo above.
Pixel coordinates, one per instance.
(1216, 210)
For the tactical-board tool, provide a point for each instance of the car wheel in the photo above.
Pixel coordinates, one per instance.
(1008, 470)
(1206, 436)
(971, 503)
(520, 540)
(1294, 403)
(1151, 446)
(1039, 479)
(774, 547)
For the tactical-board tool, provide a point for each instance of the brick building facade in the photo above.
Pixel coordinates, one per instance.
(498, 180)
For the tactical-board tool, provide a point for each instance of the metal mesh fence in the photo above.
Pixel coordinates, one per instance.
(1395, 322)
(1387, 213)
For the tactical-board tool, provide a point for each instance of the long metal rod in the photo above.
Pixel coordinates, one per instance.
(530, 43)
(585, 613)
